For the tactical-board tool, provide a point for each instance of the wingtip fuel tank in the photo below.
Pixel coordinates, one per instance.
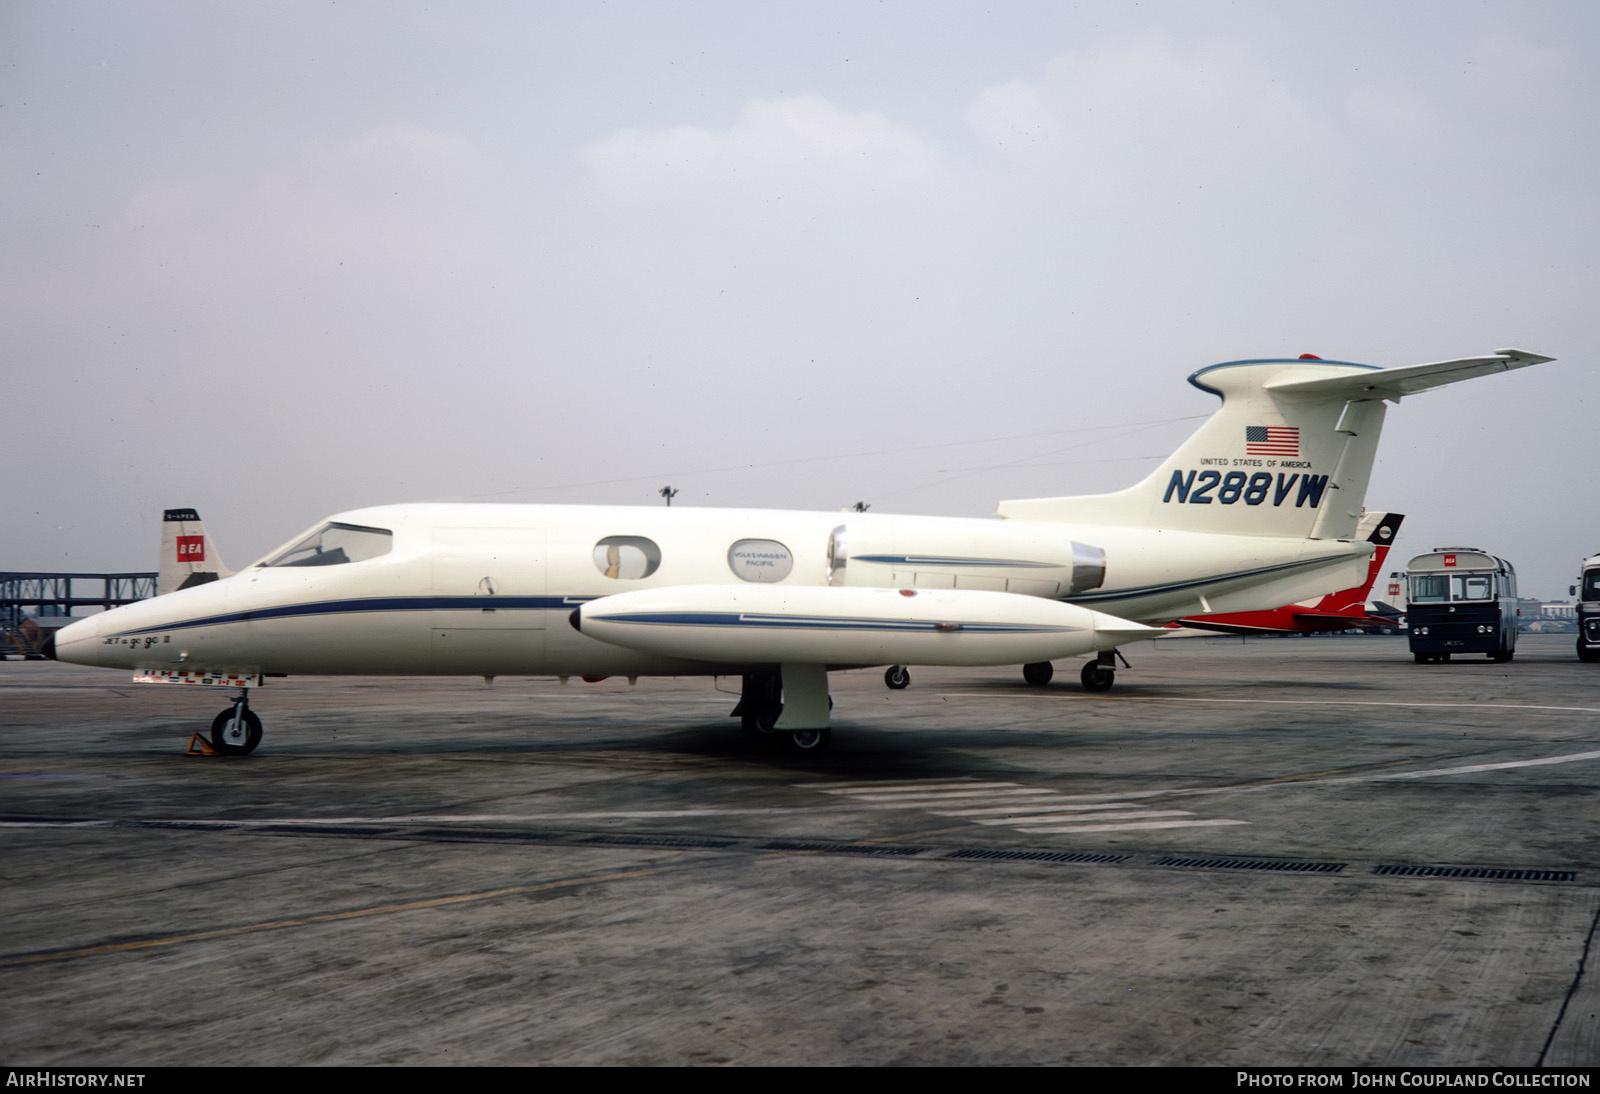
(769, 624)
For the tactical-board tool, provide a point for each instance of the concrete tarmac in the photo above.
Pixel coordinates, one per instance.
(1263, 852)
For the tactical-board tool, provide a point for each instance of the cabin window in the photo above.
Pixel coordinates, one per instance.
(627, 557)
(335, 543)
(761, 560)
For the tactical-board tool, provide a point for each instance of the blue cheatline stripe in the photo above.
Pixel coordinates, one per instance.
(944, 560)
(567, 603)
(1111, 596)
(816, 622)
(375, 604)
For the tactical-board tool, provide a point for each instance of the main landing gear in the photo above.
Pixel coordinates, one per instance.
(237, 730)
(1097, 675)
(788, 707)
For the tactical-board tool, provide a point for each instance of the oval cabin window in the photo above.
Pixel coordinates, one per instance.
(763, 560)
(627, 557)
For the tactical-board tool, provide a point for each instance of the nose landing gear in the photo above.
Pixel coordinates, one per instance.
(237, 730)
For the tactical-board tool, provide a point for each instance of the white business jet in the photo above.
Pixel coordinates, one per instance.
(1258, 508)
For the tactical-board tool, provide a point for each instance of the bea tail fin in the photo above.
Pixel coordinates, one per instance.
(188, 556)
(1378, 529)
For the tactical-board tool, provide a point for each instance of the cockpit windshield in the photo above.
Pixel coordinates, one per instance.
(335, 543)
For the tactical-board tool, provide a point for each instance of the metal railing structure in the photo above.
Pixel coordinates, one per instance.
(23, 594)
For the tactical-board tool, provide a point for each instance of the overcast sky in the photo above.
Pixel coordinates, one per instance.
(276, 260)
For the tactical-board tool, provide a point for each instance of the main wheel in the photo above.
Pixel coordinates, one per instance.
(896, 677)
(806, 742)
(232, 738)
(1095, 677)
(1038, 673)
(758, 723)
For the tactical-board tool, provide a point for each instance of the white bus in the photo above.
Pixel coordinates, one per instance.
(1461, 600)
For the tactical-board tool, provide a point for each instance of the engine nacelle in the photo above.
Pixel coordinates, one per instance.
(909, 552)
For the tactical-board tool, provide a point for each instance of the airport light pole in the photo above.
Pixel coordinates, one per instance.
(669, 493)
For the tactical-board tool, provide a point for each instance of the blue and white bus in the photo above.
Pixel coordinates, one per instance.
(1461, 600)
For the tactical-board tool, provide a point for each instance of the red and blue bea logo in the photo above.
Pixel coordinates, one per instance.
(191, 548)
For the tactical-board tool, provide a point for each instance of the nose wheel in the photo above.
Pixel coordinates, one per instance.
(237, 730)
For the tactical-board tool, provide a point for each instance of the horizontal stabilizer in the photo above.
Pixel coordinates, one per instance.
(1288, 454)
(1392, 383)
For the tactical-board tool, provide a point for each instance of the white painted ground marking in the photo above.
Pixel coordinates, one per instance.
(1013, 805)
(1045, 804)
(1125, 796)
(1073, 820)
(511, 818)
(1467, 770)
(1297, 702)
(1365, 703)
(1129, 827)
(928, 806)
(1061, 814)
(890, 784)
(889, 791)
(1376, 776)
(931, 799)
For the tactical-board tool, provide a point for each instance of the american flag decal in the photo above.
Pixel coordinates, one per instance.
(1272, 440)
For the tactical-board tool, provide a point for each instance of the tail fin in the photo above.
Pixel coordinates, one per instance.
(1288, 453)
(187, 555)
(1378, 529)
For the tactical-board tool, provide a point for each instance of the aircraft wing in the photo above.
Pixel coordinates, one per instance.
(1392, 383)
